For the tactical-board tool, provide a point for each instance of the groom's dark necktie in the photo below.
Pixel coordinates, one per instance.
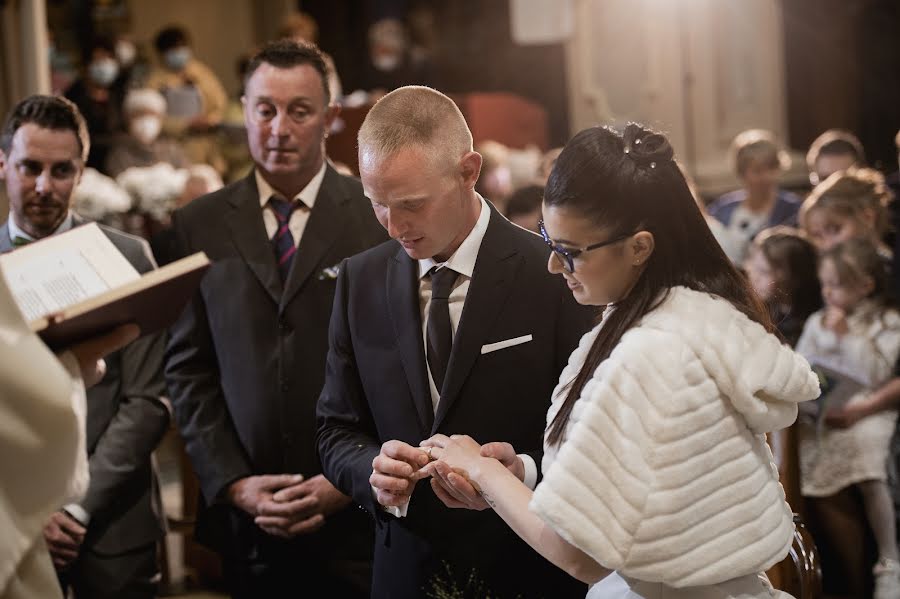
(438, 331)
(283, 241)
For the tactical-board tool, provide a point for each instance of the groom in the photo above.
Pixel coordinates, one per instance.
(454, 326)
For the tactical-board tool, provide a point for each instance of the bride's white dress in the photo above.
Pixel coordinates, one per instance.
(753, 586)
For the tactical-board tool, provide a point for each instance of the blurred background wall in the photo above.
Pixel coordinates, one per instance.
(701, 70)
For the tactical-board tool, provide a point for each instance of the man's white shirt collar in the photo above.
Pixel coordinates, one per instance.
(15, 231)
(307, 195)
(463, 259)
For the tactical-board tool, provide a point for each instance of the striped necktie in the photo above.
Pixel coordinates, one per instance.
(283, 242)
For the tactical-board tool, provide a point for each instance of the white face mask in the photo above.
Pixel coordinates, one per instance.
(146, 128)
(177, 58)
(104, 71)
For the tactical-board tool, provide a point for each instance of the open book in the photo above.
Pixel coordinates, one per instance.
(75, 285)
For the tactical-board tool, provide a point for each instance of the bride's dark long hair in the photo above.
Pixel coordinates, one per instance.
(630, 182)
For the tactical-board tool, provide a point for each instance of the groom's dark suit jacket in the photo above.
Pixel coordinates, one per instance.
(376, 389)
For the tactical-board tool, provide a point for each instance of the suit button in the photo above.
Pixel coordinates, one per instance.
(284, 386)
(284, 327)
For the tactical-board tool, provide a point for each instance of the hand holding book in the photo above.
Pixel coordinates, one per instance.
(76, 285)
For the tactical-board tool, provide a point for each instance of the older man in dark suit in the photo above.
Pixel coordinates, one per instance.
(454, 327)
(246, 361)
(104, 545)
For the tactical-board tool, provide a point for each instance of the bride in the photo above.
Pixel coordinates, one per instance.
(658, 482)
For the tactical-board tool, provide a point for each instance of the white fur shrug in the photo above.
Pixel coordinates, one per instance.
(664, 473)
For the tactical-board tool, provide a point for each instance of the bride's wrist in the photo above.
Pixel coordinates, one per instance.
(487, 469)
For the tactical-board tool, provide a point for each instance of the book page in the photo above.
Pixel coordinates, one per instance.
(57, 272)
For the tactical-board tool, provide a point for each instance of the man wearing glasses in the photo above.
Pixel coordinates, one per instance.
(455, 326)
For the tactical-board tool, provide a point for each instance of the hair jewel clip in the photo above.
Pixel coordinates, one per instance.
(637, 141)
(652, 165)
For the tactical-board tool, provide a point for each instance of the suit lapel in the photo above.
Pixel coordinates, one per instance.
(402, 287)
(496, 266)
(244, 219)
(323, 228)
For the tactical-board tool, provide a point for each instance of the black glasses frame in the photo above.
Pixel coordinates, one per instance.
(566, 256)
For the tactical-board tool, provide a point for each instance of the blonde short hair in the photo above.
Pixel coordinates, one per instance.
(849, 193)
(759, 146)
(419, 117)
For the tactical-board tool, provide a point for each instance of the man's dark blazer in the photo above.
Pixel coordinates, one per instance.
(376, 389)
(246, 360)
(126, 419)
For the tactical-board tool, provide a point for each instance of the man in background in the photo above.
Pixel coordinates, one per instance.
(105, 544)
(246, 360)
(195, 98)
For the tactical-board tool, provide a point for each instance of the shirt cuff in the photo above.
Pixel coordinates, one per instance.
(398, 511)
(78, 512)
(531, 473)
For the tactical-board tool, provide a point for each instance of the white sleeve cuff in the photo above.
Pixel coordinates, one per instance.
(531, 473)
(396, 511)
(78, 512)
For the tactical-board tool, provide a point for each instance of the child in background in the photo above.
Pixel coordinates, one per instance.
(781, 266)
(760, 203)
(857, 333)
(848, 204)
(834, 150)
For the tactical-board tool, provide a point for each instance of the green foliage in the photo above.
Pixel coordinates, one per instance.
(447, 586)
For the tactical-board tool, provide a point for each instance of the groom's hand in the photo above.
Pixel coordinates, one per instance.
(395, 472)
(506, 455)
(455, 490)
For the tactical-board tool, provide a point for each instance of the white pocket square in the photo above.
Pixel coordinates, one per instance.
(331, 273)
(486, 349)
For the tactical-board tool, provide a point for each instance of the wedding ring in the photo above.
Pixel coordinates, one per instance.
(428, 451)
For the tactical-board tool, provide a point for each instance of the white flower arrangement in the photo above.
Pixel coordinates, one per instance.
(154, 189)
(98, 196)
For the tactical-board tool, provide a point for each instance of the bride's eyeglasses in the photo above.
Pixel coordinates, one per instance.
(566, 256)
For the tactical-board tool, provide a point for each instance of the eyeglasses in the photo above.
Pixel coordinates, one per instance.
(566, 256)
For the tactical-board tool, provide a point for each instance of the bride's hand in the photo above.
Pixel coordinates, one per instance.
(460, 457)
(460, 452)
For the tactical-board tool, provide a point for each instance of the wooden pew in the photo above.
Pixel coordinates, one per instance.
(800, 573)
